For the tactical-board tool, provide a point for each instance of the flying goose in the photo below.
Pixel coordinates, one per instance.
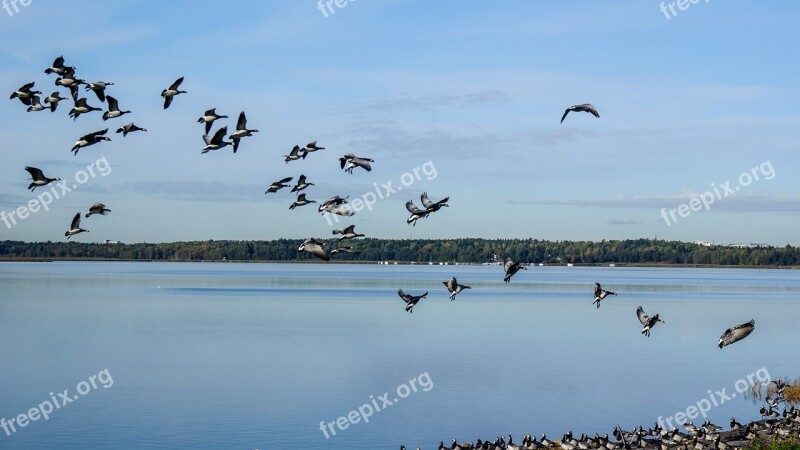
(512, 268)
(301, 184)
(315, 248)
(53, 100)
(99, 88)
(336, 205)
(216, 142)
(90, 139)
(600, 294)
(647, 321)
(293, 155)
(278, 185)
(172, 91)
(301, 201)
(311, 147)
(344, 249)
(36, 105)
(81, 107)
(359, 162)
(416, 213)
(75, 228)
(129, 128)
(38, 178)
(454, 288)
(24, 93)
(241, 131)
(580, 108)
(344, 159)
(348, 233)
(58, 67)
(736, 333)
(97, 208)
(68, 80)
(113, 109)
(430, 206)
(209, 117)
(411, 300)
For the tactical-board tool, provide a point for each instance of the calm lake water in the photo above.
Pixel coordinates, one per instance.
(246, 356)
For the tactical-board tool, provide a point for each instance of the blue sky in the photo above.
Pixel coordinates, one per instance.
(477, 88)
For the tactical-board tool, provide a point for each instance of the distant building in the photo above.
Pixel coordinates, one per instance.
(109, 242)
(704, 243)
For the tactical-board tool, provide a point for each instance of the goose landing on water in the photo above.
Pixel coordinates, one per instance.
(38, 178)
(411, 300)
(172, 91)
(97, 208)
(580, 108)
(647, 321)
(600, 294)
(75, 228)
(454, 288)
(736, 334)
(511, 268)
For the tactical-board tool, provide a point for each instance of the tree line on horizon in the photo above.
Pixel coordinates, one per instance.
(530, 251)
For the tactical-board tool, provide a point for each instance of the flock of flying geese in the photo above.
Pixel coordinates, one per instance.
(334, 205)
(67, 79)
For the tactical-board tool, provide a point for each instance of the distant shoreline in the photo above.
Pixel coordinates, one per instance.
(402, 263)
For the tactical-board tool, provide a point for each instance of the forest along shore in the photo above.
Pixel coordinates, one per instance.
(422, 251)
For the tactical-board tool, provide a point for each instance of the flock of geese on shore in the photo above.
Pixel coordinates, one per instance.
(705, 436)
